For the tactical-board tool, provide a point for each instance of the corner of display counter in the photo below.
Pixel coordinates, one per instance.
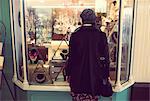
(124, 86)
(25, 86)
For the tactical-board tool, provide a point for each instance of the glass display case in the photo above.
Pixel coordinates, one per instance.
(41, 32)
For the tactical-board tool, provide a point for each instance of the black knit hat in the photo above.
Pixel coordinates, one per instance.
(88, 16)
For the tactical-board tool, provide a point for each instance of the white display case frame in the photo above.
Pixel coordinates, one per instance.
(118, 87)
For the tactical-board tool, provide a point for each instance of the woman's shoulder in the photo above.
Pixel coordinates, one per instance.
(99, 32)
(76, 31)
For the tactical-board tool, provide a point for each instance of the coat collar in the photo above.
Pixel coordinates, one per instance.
(87, 25)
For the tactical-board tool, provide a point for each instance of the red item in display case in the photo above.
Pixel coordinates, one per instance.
(40, 51)
(59, 36)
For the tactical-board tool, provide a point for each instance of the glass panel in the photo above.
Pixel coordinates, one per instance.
(18, 38)
(48, 28)
(47, 37)
(126, 39)
(112, 21)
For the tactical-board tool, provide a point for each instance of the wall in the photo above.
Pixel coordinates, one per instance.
(141, 66)
(5, 95)
(140, 92)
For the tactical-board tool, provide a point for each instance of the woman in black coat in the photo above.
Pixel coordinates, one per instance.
(88, 50)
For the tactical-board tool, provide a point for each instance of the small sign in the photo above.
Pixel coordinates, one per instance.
(1, 62)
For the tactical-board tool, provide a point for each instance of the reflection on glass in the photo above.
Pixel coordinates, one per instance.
(111, 31)
(18, 39)
(48, 29)
(126, 39)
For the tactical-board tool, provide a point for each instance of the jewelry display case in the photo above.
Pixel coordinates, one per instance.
(41, 32)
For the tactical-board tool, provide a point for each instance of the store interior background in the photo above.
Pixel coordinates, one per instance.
(141, 62)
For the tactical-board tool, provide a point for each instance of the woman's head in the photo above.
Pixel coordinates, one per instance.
(88, 16)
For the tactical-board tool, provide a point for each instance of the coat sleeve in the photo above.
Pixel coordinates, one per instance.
(70, 57)
(106, 55)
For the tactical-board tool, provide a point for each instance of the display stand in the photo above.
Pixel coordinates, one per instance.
(41, 75)
(56, 68)
(57, 65)
(39, 50)
(64, 39)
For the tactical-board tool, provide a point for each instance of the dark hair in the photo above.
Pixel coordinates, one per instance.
(88, 16)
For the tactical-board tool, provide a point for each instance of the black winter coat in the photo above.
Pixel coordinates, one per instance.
(88, 50)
